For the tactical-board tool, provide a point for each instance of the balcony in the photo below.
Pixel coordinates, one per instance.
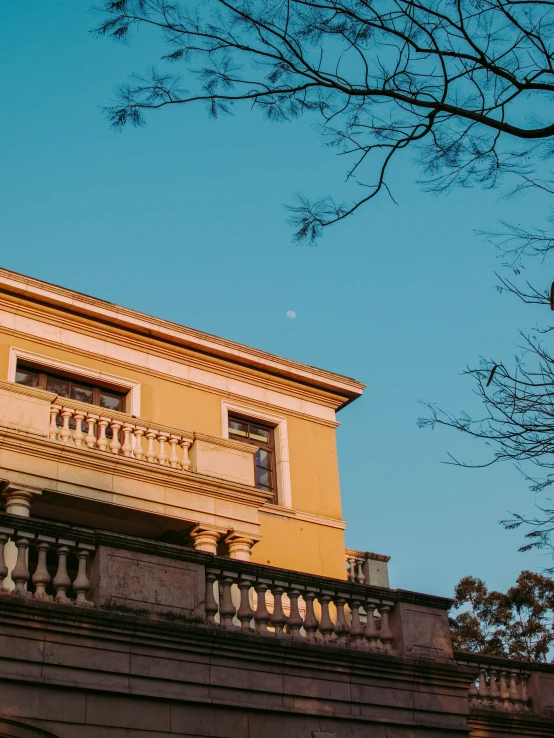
(100, 574)
(80, 463)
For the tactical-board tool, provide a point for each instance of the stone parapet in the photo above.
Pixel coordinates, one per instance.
(106, 673)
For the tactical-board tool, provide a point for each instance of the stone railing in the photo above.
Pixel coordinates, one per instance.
(366, 567)
(86, 426)
(89, 427)
(49, 581)
(81, 566)
(325, 611)
(509, 686)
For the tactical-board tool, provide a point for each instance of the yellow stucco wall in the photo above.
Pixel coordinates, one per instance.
(305, 546)
(301, 546)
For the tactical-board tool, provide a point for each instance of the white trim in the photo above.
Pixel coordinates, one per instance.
(76, 302)
(174, 367)
(133, 388)
(284, 492)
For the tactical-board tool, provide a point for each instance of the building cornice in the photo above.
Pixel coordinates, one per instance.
(117, 316)
(223, 371)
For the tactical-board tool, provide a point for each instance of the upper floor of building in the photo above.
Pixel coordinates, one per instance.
(119, 420)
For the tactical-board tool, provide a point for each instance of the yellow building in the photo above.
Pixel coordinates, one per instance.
(121, 421)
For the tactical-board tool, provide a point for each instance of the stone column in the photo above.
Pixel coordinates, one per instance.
(206, 538)
(17, 501)
(239, 546)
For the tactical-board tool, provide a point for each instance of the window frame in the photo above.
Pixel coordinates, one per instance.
(270, 446)
(59, 366)
(70, 377)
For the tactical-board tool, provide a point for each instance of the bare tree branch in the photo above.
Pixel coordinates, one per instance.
(461, 84)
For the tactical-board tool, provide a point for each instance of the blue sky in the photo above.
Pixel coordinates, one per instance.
(184, 219)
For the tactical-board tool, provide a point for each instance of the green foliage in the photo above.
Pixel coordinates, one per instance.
(517, 625)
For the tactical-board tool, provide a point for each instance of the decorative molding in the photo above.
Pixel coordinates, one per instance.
(132, 387)
(277, 511)
(365, 555)
(282, 461)
(21, 389)
(107, 312)
(187, 370)
(129, 468)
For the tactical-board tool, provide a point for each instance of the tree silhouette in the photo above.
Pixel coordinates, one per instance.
(463, 84)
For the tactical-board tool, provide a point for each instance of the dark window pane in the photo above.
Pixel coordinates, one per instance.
(264, 488)
(27, 377)
(259, 434)
(59, 386)
(263, 458)
(263, 478)
(110, 401)
(83, 394)
(237, 428)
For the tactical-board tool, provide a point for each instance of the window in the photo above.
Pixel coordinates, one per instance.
(70, 387)
(261, 436)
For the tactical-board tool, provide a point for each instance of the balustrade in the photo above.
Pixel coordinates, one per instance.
(319, 614)
(47, 568)
(73, 423)
(500, 687)
(354, 566)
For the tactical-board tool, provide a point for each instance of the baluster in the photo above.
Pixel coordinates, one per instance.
(20, 574)
(474, 695)
(514, 692)
(371, 630)
(78, 434)
(115, 445)
(326, 625)
(127, 448)
(227, 610)
(53, 430)
(385, 634)
(483, 687)
(162, 456)
(356, 627)
(5, 534)
(102, 440)
(90, 439)
(261, 615)
(525, 700)
(138, 452)
(278, 617)
(212, 606)
(185, 444)
(505, 691)
(150, 453)
(245, 613)
(173, 458)
(341, 627)
(61, 581)
(81, 585)
(351, 571)
(41, 577)
(295, 620)
(311, 623)
(360, 577)
(65, 433)
(494, 692)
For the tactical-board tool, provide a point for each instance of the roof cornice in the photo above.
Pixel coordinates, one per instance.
(80, 304)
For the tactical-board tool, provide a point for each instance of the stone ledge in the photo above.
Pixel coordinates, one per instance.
(487, 723)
